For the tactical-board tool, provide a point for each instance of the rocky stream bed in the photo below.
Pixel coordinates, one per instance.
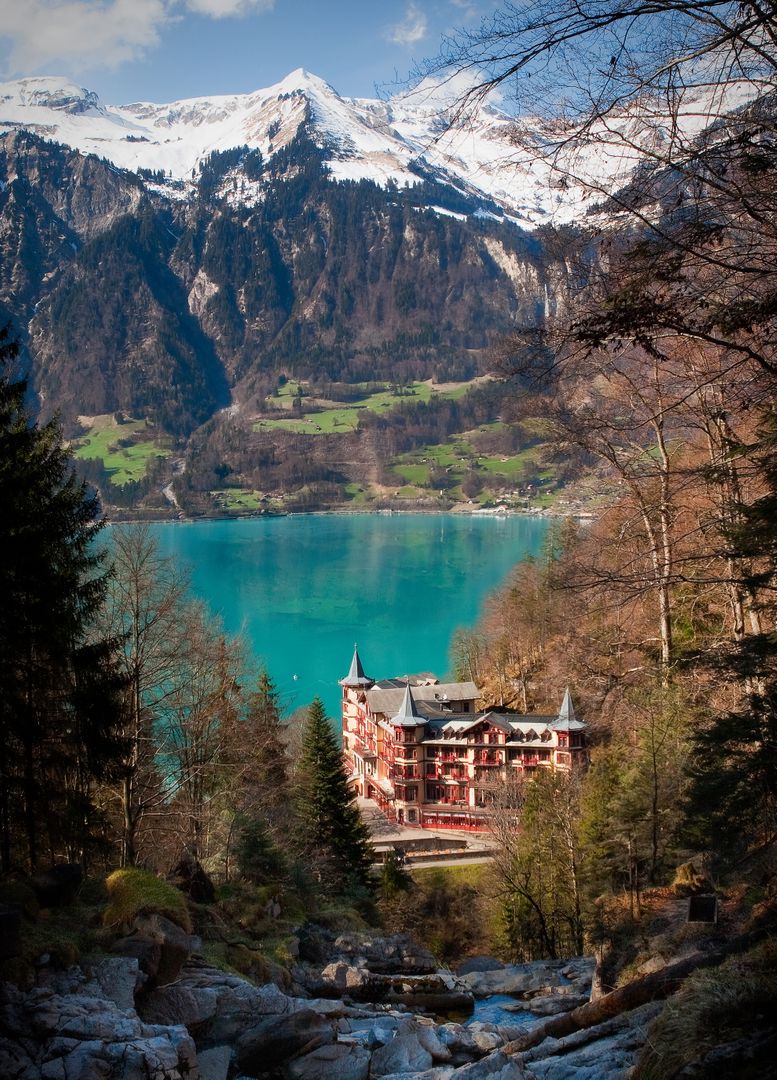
(358, 1007)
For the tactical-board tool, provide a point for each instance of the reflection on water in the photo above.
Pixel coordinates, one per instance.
(303, 589)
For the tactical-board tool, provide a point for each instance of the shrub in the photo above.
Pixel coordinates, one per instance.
(714, 1016)
(688, 879)
(133, 892)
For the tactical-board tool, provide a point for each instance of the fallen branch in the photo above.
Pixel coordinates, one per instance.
(653, 987)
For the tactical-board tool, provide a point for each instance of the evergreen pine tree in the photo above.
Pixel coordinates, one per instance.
(330, 827)
(258, 859)
(58, 682)
(266, 780)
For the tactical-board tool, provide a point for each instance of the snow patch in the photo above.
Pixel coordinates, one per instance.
(399, 140)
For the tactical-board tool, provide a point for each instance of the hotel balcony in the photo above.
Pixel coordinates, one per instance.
(405, 772)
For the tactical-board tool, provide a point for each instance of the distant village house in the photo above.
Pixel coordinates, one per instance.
(427, 757)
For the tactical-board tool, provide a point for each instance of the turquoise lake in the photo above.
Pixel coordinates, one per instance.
(303, 589)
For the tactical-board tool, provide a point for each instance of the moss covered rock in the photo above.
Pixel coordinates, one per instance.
(133, 892)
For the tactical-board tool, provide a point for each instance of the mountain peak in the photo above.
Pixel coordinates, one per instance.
(49, 92)
(301, 79)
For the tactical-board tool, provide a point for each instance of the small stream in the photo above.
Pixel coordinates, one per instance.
(491, 1010)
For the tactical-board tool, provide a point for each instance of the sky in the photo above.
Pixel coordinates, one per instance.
(164, 50)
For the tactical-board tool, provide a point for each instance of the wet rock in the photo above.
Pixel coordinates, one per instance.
(277, 1038)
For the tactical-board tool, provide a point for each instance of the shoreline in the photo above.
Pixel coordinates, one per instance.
(184, 519)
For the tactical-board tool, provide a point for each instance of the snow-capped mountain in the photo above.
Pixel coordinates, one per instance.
(379, 140)
(151, 264)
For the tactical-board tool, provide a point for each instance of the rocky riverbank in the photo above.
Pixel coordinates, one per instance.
(355, 1006)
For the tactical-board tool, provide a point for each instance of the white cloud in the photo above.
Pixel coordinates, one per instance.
(224, 9)
(410, 30)
(75, 34)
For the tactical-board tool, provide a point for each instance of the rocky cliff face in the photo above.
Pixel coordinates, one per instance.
(128, 299)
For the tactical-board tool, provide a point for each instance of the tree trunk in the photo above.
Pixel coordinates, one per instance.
(655, 987)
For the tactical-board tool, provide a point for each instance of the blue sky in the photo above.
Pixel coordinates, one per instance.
(160, 50)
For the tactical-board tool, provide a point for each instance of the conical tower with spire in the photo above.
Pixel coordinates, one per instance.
(566, 719)
(359, 733)
(356, 677)
(408, 715)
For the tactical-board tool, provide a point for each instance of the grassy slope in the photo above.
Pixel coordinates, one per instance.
(332, 417)
(411, 474)
(104, 440)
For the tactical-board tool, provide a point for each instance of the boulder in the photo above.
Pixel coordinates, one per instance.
(344, 978)
(496, 1066)
(403, 1054)
(278, 1038)
(608, 1051)
(159, 946)
(429, 1039)
(181, 1004)
(79, 1034)
(459, 1041)
(486, 1041)
(191, 878)
(338, 1061)
(214, 1062)
(314, 944)
(119, 979)
(553, 1004)
(214, 1005)
(528, 980)
(395, 954)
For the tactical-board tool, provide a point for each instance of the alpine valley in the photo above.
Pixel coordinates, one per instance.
(286, 299)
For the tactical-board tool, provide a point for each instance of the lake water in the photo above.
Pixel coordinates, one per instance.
(302, 589)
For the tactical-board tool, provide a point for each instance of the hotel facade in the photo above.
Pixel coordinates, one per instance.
(421, 750)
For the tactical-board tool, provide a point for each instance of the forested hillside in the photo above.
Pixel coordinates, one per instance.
(168, 310)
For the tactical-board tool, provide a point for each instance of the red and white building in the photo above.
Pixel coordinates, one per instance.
(427, 757)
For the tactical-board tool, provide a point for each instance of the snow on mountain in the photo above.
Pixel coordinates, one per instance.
(370, 139)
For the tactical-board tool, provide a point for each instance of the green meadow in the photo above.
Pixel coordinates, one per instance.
(318, 416)
(125, 449)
